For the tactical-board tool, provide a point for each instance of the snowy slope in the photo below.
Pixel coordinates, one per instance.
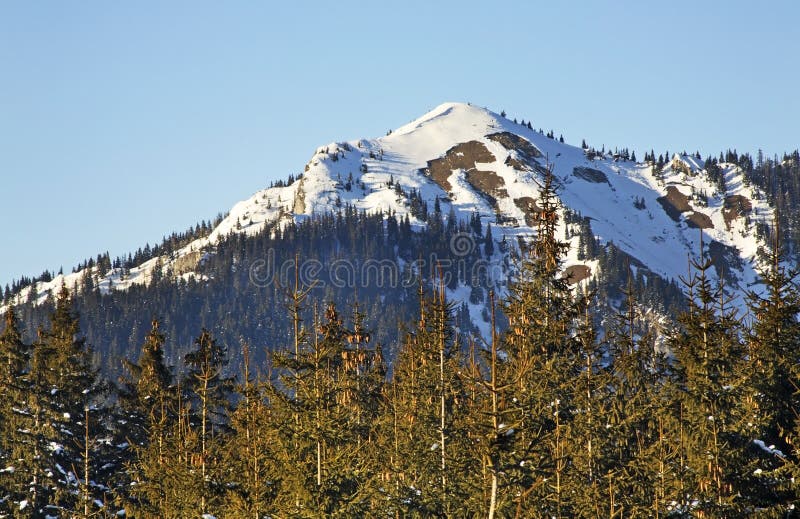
(477, 161)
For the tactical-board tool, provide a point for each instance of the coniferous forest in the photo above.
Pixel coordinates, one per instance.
(548, 416)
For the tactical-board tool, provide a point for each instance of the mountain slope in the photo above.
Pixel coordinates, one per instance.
(473, 161)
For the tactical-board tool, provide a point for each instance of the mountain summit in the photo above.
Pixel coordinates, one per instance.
(471, 161)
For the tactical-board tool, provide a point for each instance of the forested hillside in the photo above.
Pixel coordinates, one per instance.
(240, 291)
(548, 416)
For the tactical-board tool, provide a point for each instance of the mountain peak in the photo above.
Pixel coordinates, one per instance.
(474, 162)
(451, 114)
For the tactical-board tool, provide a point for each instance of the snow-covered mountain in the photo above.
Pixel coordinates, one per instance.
(476, 161)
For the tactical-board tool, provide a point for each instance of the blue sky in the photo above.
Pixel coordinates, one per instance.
(121, 122)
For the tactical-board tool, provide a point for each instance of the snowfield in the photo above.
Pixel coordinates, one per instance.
(626, 201)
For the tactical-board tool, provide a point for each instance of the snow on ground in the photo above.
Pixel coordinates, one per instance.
(368, 166)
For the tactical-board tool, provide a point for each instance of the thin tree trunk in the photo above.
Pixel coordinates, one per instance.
(35, 485)
(317, 402)
(86, 463)
(442, 389)
(495, 424)
(203, 399)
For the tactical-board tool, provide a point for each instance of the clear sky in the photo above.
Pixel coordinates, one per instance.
(123, 121)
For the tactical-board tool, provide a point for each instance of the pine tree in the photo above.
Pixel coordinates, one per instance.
(774, 346)
(640, 456)
(773, 380)
(588, 479)
(17, 466)
(365, 379)
(419, 458)
(68, 418)
(541, 312)
(166, 483)
(209, 392)
(148, 407)
(707, 347)
(492, 382)
(488, 241)
(324, 473)
(180, 472)
(144, 394)
(249, 458)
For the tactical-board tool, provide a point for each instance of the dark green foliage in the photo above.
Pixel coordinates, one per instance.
(145, 391)
(14, 416)
(57, 447)
(772, 381)
(243, 303)
(250, 455)
(779, 179)
(551, 415)
(148, 409)
(639, 451)
(547, 419)
(418, 432)
(714, 473)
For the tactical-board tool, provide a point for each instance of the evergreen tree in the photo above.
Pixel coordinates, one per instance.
(773, 380)
(419, 417)
(539, 343)
(145, 393)
(588, 479)
(66, 409)
(17, 466)
(148, 406)
(488, 241)
(492, 383)
(179, 473)
(249, 456)
(325, 474)
(714, 470)
(774, 346)
(209, 394)
(640, 454)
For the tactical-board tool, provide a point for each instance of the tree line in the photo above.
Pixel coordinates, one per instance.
(549, 416)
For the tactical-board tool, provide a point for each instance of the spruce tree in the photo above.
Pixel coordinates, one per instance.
(588, 479)
(209, 394)
(325, 474)
(541, 311)
(773, 380)
(714, 470)
(249, 455)
(144, 393)
(68, 417)
(774, 346)
(640, 454)
(17, 466)
(419, 458)
(492, 380)
(148, 407)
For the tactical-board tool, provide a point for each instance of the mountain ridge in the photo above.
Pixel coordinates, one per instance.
(474, 161)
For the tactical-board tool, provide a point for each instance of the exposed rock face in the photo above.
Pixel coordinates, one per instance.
(516, 164)
(511, 141)
(577, 273)
(461, 156)
(299, 206)
(698, 220)
(186, 263)
(492, 163)
(735, 206)
(488, 183)
(529, 208)
(590, 175)
(675, 203)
